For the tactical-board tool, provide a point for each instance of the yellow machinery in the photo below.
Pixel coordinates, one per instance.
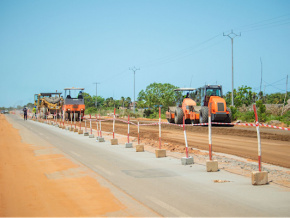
(48, 103)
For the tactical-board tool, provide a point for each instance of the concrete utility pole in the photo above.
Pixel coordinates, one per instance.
(261, 75)
(232, 35)
(134, 69)
(96, 103)
(285, 95)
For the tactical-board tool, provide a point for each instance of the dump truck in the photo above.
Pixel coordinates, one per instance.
(208, 95)
(74, 105)
(48, 103)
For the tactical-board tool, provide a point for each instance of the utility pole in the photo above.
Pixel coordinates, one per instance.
(134, 69)
(285, 95)
(261, 74)
(96, 103)
(232, 35)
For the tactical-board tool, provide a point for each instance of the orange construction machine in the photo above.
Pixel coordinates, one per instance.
(208, 95)
(74, 105)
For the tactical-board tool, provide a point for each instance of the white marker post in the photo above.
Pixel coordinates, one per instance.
(209, 132)
(114, 123)
(258, 136)
(91, 125)
(211, 165)
(186, 160)
(259, 177)
(128, 128)
(128, 144)
(138, 133)
(185, 138)
(159, 127)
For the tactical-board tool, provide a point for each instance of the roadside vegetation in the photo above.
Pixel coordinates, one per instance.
(270, 106)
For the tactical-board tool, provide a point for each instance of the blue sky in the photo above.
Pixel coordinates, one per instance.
(50, 45)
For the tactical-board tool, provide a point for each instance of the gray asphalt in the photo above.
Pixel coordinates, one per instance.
(163, 184)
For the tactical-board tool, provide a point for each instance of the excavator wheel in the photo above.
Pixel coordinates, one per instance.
(203, 115)
(229, 118)
(178, 118)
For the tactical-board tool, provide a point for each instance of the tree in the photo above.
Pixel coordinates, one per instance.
(158, 94)
(89, 101)
(244, 95)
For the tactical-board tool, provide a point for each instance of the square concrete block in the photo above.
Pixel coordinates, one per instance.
(92, 136)
(128, 145)
(139, 148)
(101, 139)
(212, 166)
(114, 141)
(86, 134)
(259, 178)
(71, 129)
(160, 153)
(60, 127)
(76, 130)
(80, 131)
(186, 160)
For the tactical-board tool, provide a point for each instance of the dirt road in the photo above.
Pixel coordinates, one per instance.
(37, 181)
(74, 175)
(239, 141)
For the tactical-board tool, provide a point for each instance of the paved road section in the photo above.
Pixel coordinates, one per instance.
(163, 184)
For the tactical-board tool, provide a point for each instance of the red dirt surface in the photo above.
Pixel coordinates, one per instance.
(30, 185)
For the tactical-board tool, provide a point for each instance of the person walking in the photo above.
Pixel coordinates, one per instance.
(25, 112)
(34, 112)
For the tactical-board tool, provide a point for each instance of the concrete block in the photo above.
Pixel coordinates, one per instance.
(212, 166)
(91, 136)
(160, 153)
(63, 127)
(80, 131)
(259, 178)
(186, 160)
(71, 129)
(139, 148)
(60, 127)
(128, 145)
(76, 130)
(101, 139)
(86, 134)
(114, 141)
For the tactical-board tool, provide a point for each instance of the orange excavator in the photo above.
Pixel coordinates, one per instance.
(208, 95)
(74, 105)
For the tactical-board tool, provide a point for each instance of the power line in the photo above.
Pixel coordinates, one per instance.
(169, 58)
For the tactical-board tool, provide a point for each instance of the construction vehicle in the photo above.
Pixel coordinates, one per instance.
(208, 95)
(48, 103)
(74, 105)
